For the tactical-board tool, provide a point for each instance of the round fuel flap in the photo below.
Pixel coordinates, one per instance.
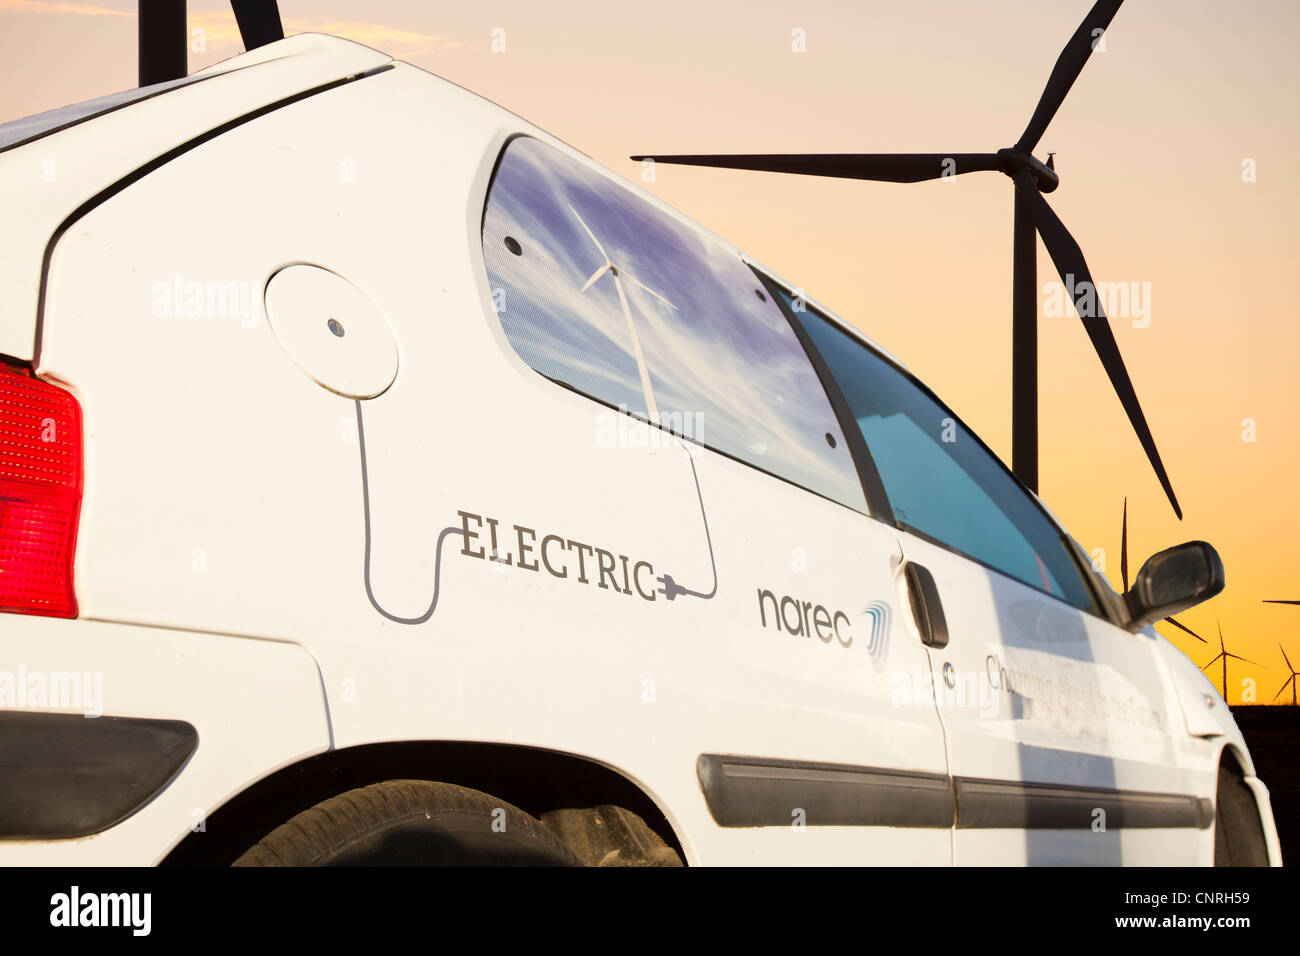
(332, 331)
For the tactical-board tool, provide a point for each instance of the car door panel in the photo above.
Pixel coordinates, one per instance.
(1059, 732)
(807, 728)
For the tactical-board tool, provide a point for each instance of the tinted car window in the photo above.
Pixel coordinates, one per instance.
(939, 478)
(19, 131)
(602, 291)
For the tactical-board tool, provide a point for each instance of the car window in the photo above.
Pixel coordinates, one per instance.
(939, 478)
(600, 290)
(19, 131)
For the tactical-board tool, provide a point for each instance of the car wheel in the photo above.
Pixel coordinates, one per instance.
(1238, 833)
(410, 823)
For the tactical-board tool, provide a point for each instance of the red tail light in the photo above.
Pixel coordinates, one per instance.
(40, 494)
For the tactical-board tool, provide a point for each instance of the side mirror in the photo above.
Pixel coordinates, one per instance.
(1172, 581)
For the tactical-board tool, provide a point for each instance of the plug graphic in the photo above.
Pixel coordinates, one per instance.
(670, 588)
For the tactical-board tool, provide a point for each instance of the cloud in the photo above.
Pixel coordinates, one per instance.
(394, 42)
(80, 9)
(220, 30)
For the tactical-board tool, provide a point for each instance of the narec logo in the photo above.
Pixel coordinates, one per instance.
(877, 613)
(790, 615)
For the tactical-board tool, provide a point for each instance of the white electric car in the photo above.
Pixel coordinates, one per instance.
(385, 481)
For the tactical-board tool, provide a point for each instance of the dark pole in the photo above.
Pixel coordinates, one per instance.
(1024, 346)
(163, 41)
(259, 22)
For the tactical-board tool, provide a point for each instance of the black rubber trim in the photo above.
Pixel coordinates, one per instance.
(68, 775)
(1207, 813)
(756, 792)
(163, 159)
(873, 488)
(761, 792)
(1001, 804)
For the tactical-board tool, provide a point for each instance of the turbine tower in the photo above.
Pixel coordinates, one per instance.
(619, 274)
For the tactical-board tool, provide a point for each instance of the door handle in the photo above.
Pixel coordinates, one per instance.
(927, 609)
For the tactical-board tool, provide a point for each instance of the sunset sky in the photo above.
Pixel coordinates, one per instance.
(1150, 146)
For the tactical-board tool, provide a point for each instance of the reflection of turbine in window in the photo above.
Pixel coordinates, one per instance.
(619, 273)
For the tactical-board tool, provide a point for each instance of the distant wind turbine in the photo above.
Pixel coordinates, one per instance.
(619, 273)
(1123, 570)
(1224, 655)
(1290, 680)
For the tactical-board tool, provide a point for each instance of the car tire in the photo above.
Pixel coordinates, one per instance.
(1238, 832)
(410, 823)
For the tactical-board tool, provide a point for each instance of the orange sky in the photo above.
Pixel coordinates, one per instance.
(1149, 146)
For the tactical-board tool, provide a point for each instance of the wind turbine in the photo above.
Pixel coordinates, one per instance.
(164, 39)
(1033, 216)
(1290, 680)
(1123, 570)
(619, 274)
(1224, 655)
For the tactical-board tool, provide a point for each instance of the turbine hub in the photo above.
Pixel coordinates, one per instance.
(1012, 160)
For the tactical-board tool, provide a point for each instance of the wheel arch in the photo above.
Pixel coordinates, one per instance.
(535, 780)
(1235, 758)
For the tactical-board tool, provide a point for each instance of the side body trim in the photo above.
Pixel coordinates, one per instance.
(759, 792)
(756, 792)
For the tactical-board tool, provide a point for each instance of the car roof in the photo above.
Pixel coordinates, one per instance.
(95, 145)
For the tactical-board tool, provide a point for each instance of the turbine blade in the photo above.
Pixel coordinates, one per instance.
(1073, 269)
(880, 167)
(603, 254)
(1068, 67)
(1284, 687)
(1212, 662)
(1285, 658)
(1123, 547)
(1184, 627)
(633, 279)
(1244, 660)
(1282, 602)
(594, 276)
